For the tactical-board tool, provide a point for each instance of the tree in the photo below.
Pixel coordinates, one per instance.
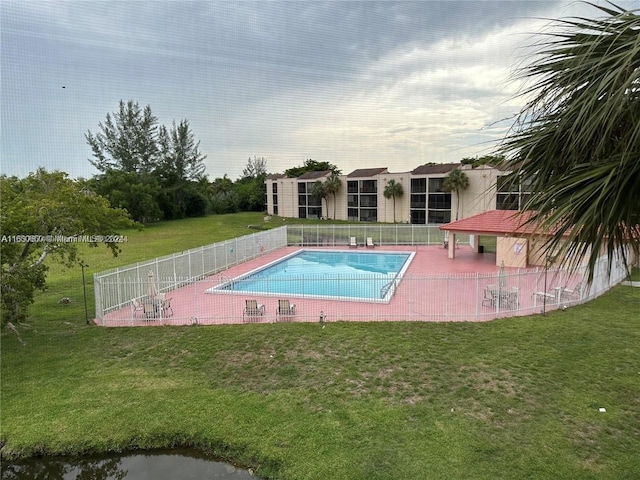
(332, 186)
(134, 192)
(45, 215)
(222, 196)
(180, 166)
(578, 138)
(319, 192)
(159, 162)
(251, 189)
(475, 162)
(393, 189)
(311, 166)
(255, 167)
(127, 140)
(455, 181)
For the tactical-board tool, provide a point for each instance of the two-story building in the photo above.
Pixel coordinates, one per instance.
(424, 200)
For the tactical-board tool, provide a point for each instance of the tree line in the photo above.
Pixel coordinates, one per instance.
(156, 172)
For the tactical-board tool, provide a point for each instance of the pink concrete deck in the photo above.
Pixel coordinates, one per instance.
(434, 288)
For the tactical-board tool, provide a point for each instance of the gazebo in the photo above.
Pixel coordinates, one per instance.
(517, 242)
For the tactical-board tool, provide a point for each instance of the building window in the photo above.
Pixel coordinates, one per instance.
(352, 186)
(436, 185)
(368, 215)
(302, 188)
(369, 186)
(418, 217)
(302, 212)
(439, 202)
(314, 202)
(512, 194)
(275, 210)
(439, 216)
(368, 200)
(352, 214)
(302, 199)
(418, 185)
(275, 199)
(352, 201)
(418, 201)
(314, 212)
(274, 187)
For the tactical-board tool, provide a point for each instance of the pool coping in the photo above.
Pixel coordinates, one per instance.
(393, 283)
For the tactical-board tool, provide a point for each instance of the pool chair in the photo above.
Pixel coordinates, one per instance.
(167, 311)
(252, 311)
(511, 298)
(576, 292)
(285, 310)
(490, 296)
(136, 307)
(353, 243)
(370, 243)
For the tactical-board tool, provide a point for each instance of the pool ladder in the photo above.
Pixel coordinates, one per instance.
(386, 287)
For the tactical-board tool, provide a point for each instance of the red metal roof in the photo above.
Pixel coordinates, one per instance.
(494, 222)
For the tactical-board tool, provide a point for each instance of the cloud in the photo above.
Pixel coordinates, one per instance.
(355, 83)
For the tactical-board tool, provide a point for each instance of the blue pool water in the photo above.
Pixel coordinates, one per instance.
(350, 275)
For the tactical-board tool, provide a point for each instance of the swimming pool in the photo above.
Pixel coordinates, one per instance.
(336, 274)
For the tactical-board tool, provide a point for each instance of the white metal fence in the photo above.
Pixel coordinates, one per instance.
(116, 288)
(186, 279)
(337, 235)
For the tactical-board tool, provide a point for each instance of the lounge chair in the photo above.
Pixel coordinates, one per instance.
(370, 243)
(252, 311)
(285, 309)
(546, 297)
(575, 292)
(136, 307)
(353, 243)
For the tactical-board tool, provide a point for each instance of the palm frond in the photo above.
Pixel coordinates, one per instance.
(578, 138)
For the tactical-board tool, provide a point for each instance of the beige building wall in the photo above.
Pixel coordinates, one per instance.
(340, 202)
(513, 251)
(479, 197)
(385, 206)
(287, 197)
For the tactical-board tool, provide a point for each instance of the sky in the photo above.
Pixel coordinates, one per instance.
(359, 84)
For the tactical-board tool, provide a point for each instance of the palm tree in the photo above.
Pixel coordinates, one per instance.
(393, 189)
(455, 181)
(332, 186)
(319, 193)
(578, 138)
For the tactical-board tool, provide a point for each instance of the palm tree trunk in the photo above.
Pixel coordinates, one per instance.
(394, 209)
(334, 206)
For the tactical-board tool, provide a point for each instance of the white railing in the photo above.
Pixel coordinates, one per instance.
(117, 287)
(381, 234)
(450, 297)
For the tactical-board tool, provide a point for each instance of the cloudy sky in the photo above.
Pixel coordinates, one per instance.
(358, 84)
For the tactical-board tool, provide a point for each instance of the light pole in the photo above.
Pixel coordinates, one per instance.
(84, 291)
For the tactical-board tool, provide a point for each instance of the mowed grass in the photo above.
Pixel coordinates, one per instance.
(512, 398)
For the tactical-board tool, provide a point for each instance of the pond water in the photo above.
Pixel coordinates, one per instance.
(160, 465)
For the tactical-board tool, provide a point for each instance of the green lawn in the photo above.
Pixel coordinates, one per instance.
(513, 398)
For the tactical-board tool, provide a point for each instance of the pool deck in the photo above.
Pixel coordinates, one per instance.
(413, 299)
